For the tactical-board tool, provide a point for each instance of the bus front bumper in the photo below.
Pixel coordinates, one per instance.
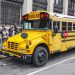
(26, 58)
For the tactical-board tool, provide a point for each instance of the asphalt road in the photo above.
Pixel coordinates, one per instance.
(59, 64)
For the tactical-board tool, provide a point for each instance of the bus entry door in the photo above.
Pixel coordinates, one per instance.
(57, 42)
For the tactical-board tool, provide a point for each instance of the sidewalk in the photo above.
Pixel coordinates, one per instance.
(2, 56)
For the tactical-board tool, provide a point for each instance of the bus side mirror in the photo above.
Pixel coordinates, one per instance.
(24, 35)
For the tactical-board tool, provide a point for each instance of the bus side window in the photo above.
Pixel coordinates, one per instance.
(64, 26)
(69, 26)
(74, 26)
(58, 24)
(54, 23)
(50, 24)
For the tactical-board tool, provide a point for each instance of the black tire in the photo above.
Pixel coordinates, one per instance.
(40, 56)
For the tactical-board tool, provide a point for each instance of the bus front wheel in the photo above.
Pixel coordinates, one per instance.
(40, 56)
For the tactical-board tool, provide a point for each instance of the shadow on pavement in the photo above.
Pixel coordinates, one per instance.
(63, 54)
(20, 64)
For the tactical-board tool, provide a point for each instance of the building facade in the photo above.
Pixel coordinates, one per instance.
(10, 12)
(58, 6)
(39, 5)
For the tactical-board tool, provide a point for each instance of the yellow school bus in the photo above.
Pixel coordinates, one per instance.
(43, 33)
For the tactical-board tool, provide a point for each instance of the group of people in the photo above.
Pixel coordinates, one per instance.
(5, 33)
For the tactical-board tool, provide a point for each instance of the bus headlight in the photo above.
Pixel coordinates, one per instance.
(22, 50)
(3, 47)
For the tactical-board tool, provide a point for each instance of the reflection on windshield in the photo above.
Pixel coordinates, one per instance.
(36, 24)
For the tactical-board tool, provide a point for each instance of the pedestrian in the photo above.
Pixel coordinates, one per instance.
(3, 27)
(13, 31)
(2, 32)
(5, 35)
(0, 36)
(18, 31)
(10, 31)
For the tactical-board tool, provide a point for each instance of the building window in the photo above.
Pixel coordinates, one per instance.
(39, 5)
(71, 7)
(69, 26)
(64, 26)
(58, 2)
(71, 4)
(58, 6)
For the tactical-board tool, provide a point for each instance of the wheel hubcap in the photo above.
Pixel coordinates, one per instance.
(42, 56)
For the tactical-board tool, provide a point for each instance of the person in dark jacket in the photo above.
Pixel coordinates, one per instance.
(5, 35)
(10, 31)
(3, 28)
(0, 36)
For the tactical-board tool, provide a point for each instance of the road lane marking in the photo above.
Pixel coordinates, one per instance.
(42, 69)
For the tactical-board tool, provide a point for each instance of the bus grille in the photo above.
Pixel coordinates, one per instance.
(12, 45)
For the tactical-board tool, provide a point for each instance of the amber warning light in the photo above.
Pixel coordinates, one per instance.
(25, 17)
(44, 15)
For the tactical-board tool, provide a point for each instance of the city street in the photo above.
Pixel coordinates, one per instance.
(35, 28)
(63, 64)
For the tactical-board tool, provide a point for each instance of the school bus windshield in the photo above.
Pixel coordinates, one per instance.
(36, 24)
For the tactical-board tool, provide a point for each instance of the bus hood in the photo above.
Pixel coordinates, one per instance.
(31, 35)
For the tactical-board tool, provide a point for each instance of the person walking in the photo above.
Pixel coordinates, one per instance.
(5, 35)
(2, 32)
(10, 31)
(0, 38)
(13, 31)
